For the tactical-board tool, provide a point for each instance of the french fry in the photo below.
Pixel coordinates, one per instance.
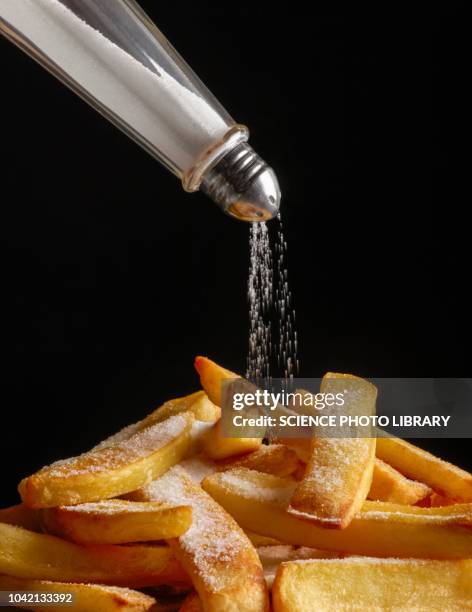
(216, 446)
(258, 502)
(338, 475)
(117, 521)
(373, 584)
(25, 554)
(111, 471)
(272, 556)
(211, 377)
(457, 514)
(336, 481)
(390, 486)
(206, 414)
(21, 516)
(203, 410)
(191, 603)
(219, 558)
(416, 463)
(275, 459)
(87, 597)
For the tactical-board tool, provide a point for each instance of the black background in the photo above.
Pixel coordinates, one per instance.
(114, 279)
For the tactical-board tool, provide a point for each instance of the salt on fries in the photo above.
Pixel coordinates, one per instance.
(198, 403)
(339, 471)
(388, 484)
(173, 477)
(216, 553)
(111, 471)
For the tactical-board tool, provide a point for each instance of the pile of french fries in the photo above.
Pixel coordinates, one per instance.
(168, 514)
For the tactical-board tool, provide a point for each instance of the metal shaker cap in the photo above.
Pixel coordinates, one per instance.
(243, 185)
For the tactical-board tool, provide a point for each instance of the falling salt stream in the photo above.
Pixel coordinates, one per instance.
(269, 297)
(260, 297)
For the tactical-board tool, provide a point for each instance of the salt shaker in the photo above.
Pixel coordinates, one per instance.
(111, 54)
